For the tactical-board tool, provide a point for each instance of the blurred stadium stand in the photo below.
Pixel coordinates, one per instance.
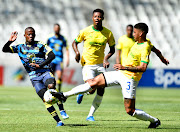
(162, 17)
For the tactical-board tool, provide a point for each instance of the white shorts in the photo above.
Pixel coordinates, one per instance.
(128, 85)
(91, 71)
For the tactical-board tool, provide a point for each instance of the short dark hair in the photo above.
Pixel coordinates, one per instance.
(30, 28)
(142, 27)
(130, 25)
(99, 10)
(56, 24)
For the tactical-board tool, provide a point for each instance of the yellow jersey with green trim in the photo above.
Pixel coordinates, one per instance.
(94, 44)
(124, 44)
(139, 53)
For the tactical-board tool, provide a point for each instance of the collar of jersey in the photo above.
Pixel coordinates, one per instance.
(140, 43)
(96, 29)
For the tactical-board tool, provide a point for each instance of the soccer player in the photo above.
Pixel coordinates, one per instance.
(32, 54)
(93, 61)
(125, 43)
(57, 42)
(127, 76)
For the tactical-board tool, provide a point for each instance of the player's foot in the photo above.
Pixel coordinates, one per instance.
(60, 123)
(64, 114)
(90, 118)
(155, 124)
(60, 96)
(79, 98)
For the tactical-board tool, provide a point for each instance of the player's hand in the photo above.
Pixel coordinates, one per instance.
(106, 64)
(77, 57)
(34, 65)
(13, 36)
(118, 67)
(165, 61)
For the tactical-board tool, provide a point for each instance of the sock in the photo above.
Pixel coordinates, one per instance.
(59, 82)
(52, 111)
(96, 103)
(60, 105)
(83, 88)
(140, 114)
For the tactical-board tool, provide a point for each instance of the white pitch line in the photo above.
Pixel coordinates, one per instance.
(5, 109)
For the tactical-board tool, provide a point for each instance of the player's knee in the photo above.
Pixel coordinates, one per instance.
(130, 111)
(51, 86)
(100, 91)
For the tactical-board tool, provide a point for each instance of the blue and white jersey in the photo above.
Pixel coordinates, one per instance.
(32, 54)
(57, 43)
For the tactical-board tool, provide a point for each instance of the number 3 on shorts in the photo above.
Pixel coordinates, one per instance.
(129, 86)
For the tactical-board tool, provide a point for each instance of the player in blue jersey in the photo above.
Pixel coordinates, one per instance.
(32, 54)
(57, 42)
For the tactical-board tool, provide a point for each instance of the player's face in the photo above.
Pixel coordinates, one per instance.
(137, 33)
(97, 18)
(129, 31)
(56, 29)
(29, 35)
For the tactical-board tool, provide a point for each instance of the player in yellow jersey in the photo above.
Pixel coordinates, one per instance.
(125, 43)
(127, 76)
(93, 61)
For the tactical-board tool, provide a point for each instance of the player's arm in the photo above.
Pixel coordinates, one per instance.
(67, 57)
(111, 52)
(118, 57)
(12, 38)
(159, 54)
(75, 48)
(50, 57)
(141, 68)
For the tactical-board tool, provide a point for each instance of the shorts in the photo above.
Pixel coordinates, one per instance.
(128, 85)
(57, 67)
(42, 81)
(91, 71)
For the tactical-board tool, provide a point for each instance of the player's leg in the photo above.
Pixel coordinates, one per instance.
(59, 73)
(129, 93)
(50, 108)
(99, 96)
(97, 82)
(88, 72)
(50, 82)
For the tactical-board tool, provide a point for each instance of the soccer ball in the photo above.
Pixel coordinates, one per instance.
(49, 98)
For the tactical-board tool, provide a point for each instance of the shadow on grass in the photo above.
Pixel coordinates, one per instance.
(74, 125)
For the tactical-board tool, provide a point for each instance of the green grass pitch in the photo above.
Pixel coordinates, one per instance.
(21, 110)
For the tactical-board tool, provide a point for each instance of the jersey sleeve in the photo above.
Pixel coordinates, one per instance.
(111, 40)
(120, 44)
(80, 37)
(47, 49)
(65, 43)
(14, 48)
(145, 55)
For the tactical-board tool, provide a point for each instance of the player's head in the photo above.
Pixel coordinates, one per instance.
(29, 34)
(140, 31)
(129, 30)
(98, 16)
(57, 28)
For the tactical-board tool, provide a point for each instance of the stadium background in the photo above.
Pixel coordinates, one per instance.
(162, 17)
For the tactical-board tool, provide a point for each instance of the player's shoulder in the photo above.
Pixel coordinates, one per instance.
(106, 30)
(51, 35)
(19, 44)
(86, 29)
(40, 43)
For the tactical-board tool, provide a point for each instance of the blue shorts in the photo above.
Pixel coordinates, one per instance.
(57, 67)
(41, 82)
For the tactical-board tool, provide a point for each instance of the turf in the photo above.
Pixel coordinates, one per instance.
(22, 110)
